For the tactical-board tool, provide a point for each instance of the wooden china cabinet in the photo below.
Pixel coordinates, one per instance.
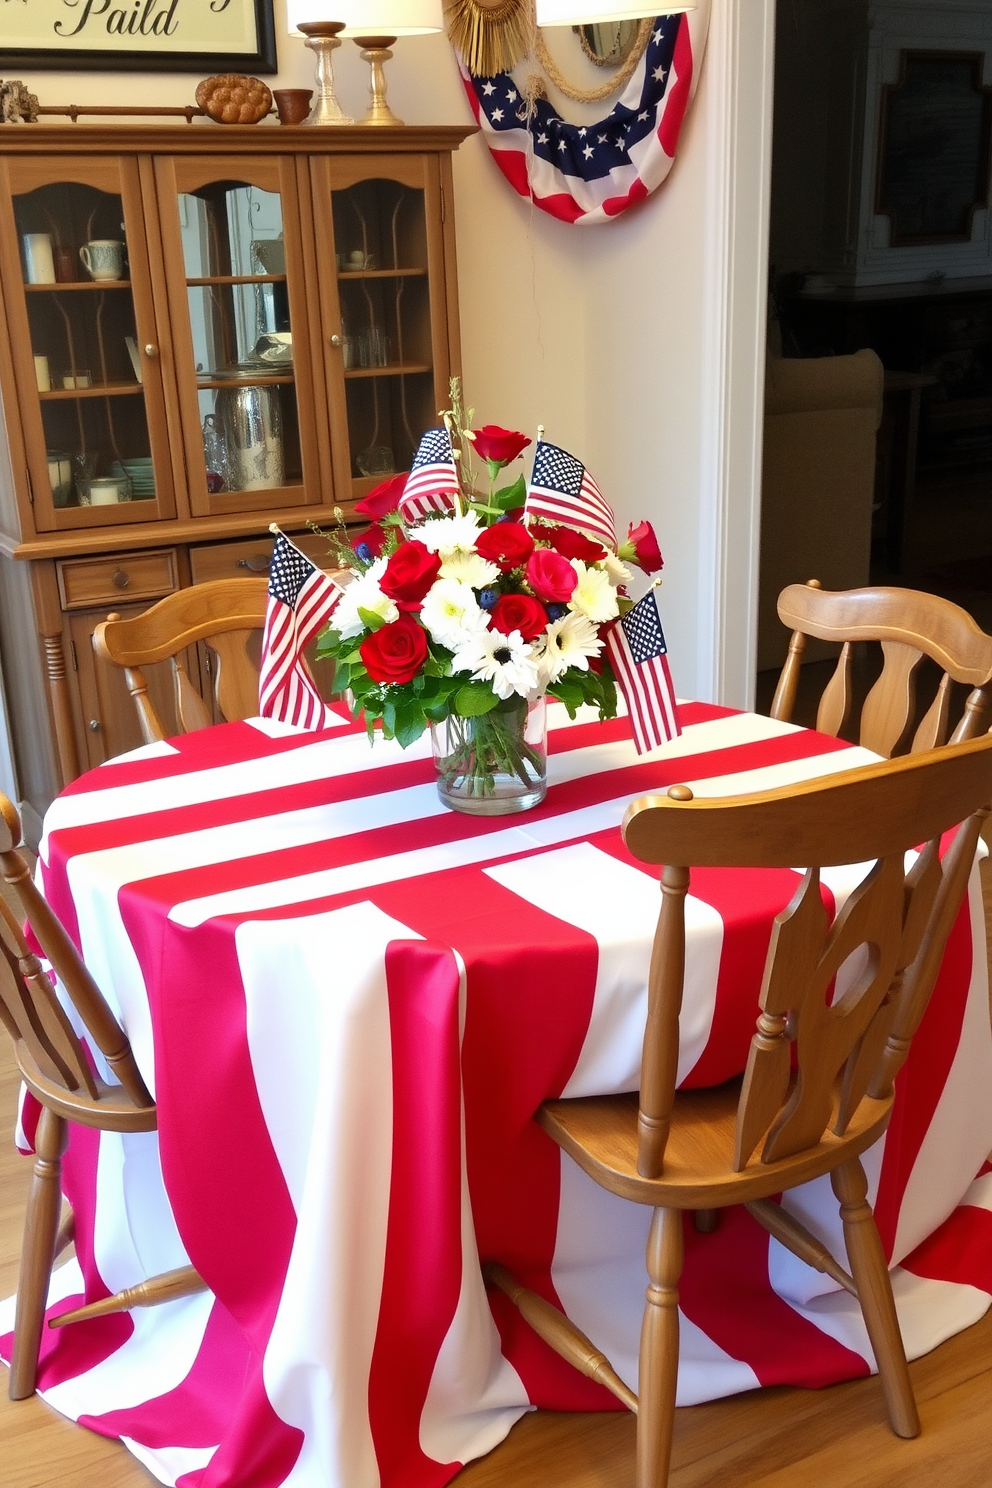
(264, 321)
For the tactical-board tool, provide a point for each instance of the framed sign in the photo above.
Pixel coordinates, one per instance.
(199, 36)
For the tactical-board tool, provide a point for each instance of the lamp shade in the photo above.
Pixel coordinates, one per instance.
(370, 17)
(588, 12)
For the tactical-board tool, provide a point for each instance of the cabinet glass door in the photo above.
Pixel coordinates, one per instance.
(388, 360)
(86, 346)
(241, 377)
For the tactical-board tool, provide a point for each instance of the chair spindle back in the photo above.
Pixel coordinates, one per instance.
(851, 1036)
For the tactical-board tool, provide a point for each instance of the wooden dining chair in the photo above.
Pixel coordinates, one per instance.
(224, 613)
(817, 1090)
(910, 626)
(56, 1069)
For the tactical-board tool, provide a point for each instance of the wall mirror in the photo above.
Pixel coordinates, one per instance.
(933, 166)
(607, 43)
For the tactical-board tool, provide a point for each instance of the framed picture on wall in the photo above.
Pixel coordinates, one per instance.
(199, 36)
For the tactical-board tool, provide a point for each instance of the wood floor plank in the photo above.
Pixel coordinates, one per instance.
(781, 1438)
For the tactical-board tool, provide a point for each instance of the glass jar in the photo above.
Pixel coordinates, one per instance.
(495, 763)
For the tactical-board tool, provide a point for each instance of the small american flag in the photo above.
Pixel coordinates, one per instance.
(432, 484)
(638, 654)
(562, 490)
(301, 601)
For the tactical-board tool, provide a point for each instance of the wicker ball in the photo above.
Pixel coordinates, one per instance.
(231, 98)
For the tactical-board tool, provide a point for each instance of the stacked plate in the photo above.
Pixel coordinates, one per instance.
(141, 474)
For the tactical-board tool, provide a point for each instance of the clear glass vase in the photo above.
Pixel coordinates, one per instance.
(496, 763)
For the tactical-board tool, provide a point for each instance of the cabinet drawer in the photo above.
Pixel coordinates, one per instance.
(239, 560)
(94, 581)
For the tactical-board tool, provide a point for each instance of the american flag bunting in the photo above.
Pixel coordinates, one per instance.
(638, 655)
(301, 601)
(562, 490)
(432, 484)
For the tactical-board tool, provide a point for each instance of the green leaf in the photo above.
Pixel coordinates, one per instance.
(507, 497)
(410, 724)
(370, 619)
(474, 699)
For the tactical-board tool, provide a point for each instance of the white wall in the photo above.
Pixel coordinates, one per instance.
(635, 343)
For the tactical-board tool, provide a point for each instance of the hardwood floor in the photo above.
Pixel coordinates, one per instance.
(781, 1438)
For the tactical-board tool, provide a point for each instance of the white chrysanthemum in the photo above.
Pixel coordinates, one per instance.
(569, 642)
(506, 661)
(593, 594)
(448, 535)
(363, 593)
(469, 568)
(619, 572)
(451, 613)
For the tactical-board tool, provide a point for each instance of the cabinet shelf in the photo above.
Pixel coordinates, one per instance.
(96, 390)
(263, 380)
(77, 286)
(209, 279)
(396, 369)
(382, 274)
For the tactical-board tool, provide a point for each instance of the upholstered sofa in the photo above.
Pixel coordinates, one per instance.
(818, 481)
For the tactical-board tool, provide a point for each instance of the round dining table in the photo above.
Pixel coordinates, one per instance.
(348, 1002)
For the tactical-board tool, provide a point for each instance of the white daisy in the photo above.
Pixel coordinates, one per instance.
(469, 568)
(593, 593)
(569, 642)
(448, 535)
(451, 613)
(619, 572)
(507, 661)
(363, 593)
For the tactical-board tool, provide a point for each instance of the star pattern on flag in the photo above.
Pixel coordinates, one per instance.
(288, 572)
(569, 146)
(644, 633)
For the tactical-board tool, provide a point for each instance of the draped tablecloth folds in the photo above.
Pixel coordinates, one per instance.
(348, 1002)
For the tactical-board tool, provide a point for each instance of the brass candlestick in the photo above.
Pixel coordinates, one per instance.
(376, 52)
(322, 39)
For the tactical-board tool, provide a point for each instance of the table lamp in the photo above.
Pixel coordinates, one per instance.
(309, 18)
(589, 12)
(374, 25)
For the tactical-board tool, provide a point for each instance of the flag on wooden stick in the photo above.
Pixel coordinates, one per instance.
(562, 490)
(636, 647)
(432, 484)
(301, 601)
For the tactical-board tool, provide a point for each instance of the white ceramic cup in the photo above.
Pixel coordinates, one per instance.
(77, 380)
(39, 261)
(42, 375)
(105, 492)
(103, 258)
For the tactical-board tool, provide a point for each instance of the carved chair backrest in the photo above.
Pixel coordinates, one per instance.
(227, 614)
(911, 626)
(848, 1040)
(30, 1008)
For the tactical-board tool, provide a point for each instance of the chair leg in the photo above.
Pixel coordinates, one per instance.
(41, 1229)
(659, 1359)
(871, 1276)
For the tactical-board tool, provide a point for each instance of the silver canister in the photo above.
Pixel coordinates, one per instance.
(251, 420)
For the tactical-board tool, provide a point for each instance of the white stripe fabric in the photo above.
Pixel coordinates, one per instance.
(303, 867)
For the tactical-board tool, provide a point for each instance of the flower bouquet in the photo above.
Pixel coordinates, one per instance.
(467, 605)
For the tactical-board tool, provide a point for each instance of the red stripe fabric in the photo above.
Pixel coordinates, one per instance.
(291, 848)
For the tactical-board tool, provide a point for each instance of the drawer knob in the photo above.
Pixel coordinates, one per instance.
(151, 350)
(120, 579)
(257, 563)
(94, 725)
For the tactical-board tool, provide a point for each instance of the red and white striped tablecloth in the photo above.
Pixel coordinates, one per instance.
(348, 1002)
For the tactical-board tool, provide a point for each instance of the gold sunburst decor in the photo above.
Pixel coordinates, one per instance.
(491, 35)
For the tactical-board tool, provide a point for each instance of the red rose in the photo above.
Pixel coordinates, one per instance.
(498, 446)
(508, 545)
(373, 538)
(395, 653)
(409, 574)
(642, 548)
(383, 498)
(574, 544)
(551, 576)
(519, 612)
